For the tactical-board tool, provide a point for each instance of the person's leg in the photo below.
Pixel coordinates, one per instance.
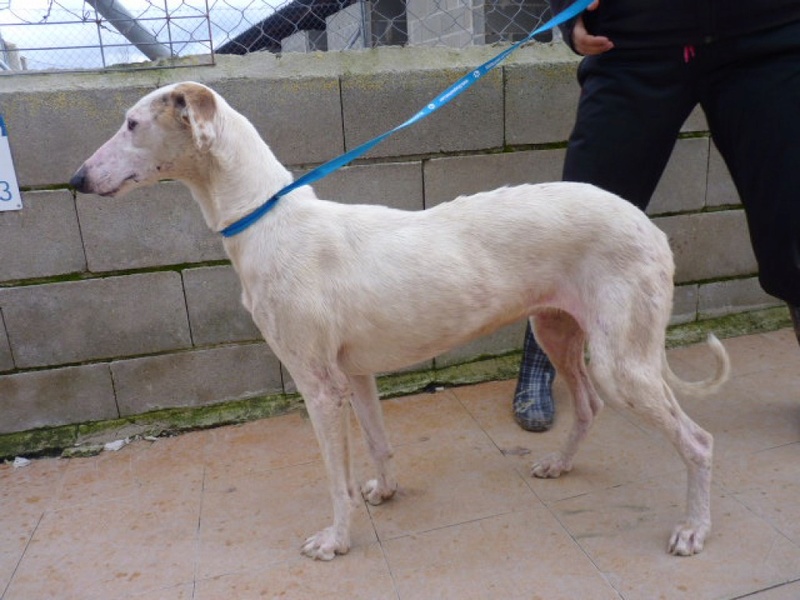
(533, 399)
(631, 109)
(751, 99)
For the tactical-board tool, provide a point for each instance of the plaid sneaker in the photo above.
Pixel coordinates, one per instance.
(533, 399)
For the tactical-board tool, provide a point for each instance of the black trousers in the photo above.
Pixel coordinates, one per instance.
(632, 106)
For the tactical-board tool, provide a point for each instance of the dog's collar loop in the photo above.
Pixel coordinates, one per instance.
(446, 96)
(250, 218)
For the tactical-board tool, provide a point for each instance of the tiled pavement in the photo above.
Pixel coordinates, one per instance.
(221, 514)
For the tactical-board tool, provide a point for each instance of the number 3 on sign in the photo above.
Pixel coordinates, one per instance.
(10, 198)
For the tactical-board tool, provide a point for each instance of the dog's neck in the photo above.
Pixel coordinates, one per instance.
(223, 193)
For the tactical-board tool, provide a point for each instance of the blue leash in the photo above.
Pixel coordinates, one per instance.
(449, 94)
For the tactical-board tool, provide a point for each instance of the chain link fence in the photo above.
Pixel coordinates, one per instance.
(38, 35)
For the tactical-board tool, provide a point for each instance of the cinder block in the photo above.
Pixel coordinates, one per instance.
(721, 190)
(684, 304)
(305, 41)
(447, 178)
(683, 186)
(349, 28)
(216, 314)
(432, 23)
(721, 298)
(153, 226)
(376, 102)
(56, 397)
(398, 185)
(76, 321)
(41, 240)
(300, 118)
(53, 132)
(709, 245)
(502, 341)
(195, 378)
(541, 101)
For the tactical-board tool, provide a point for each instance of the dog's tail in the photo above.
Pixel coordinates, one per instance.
(706, 386)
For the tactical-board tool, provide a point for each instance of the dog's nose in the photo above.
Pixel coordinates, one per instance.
(78, 181)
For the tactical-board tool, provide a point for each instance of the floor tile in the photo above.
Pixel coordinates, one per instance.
(251, 521)
(786, 591)
(140, 467)
(183, 591)
(447, 480)
(108, 550)
(26, 493)
(768, 483)
(625, 530)
(420, 417)
(262, 445)
(361, 574)
(752, 412)
(525, 554)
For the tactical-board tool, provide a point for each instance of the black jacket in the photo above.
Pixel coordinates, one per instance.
(658, 23)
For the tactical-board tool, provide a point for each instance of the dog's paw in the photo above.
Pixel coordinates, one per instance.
(374, 493)
(687, 540)
(551, 466)
(325, 545)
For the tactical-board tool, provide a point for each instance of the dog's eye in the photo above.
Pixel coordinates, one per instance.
(132, 124)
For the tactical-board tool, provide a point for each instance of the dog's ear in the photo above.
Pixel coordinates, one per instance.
(196, 107)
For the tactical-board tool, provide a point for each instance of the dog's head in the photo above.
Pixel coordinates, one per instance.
(165, 136)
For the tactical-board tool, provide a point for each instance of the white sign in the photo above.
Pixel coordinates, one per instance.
(10, 198)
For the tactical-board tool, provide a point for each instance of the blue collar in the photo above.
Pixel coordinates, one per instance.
(250, 218)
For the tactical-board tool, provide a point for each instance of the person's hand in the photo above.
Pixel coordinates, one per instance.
(586, 43)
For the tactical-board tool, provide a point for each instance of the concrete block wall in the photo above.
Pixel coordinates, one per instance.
(445, 22)
(115, 307)
(347, 29)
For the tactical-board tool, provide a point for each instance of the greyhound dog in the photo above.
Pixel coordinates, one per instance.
(341, 292)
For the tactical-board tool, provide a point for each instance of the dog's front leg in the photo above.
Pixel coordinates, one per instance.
(370, 416)
(326, 400)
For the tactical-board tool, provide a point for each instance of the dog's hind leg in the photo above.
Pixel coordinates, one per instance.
(696, 447)
(635, 381)
(563, 340)
(327, 401)
(370, 416)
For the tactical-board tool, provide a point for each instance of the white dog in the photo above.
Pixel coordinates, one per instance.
(343, 292)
